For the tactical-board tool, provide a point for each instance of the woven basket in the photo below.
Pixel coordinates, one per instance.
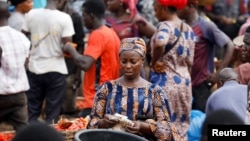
(68, 135)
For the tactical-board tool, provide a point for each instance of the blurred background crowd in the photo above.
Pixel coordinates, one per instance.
(66, 58)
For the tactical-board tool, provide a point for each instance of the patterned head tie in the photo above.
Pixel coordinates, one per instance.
(135, 44)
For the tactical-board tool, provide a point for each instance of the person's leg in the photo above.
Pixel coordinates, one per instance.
(35, 96)
(55, 89)
(200, 96)
(13, 109)
(19, 116)
(68, 106)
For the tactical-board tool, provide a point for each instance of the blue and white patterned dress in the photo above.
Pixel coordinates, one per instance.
(150, 100)
(176, 81)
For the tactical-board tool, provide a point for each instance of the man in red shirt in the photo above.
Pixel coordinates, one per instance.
(101, 56)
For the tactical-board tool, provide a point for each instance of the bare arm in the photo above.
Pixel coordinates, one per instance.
(145, 28)
(157, 53)
(84, 62)
(228, 54)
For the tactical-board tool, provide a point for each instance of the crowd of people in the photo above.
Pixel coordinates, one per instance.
(152, 61)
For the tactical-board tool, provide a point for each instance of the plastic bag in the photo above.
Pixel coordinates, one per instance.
(196, 122)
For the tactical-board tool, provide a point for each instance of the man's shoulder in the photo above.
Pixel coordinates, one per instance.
(61, 14)
(103, 31)
(11, 30)
(206, 24)
(217, 92)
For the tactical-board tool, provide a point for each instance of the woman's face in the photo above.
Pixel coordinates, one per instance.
(131, 63)
(245, 49)
(158, 11)
(113, 5)
(26, 5)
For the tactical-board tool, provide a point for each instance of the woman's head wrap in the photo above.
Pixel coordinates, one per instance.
(178, 4)
(131, 5)
(16, 2)
(134, 44)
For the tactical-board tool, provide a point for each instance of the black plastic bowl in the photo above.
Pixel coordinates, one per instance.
(106, 135)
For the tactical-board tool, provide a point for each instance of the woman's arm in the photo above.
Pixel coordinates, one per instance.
(98, 117)
(145, 28)
(161, 126)
(190, 55)
(99, 106)
(160, 40)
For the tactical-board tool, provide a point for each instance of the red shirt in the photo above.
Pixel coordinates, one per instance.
(103, 46)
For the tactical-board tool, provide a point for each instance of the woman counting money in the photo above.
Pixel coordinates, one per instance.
(143, 104)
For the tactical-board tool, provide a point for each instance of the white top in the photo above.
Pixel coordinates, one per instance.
(47, 27)
(15, 46)
(16, 20)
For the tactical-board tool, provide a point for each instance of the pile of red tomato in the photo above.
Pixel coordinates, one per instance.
(6, 136)
(76, 124)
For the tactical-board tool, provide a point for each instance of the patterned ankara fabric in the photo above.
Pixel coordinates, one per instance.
(135, 44)
(176, 81)
(150, 100)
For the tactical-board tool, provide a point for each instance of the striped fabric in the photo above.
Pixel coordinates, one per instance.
(149, 101)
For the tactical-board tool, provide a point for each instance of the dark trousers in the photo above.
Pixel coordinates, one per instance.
(13, 109)
(49, 87)
(200, 95)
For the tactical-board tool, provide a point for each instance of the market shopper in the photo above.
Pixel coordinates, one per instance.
(49, 28)
(14, 83)
(22, 7)
(74, 76)
(172, 49)
(232, 92)
(102, 49)
(207, 35)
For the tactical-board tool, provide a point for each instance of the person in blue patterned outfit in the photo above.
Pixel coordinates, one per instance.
(144, 103)
(171, 70)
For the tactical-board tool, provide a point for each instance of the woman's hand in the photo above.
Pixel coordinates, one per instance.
(159, 67)
(212, 79)
(139, 128)
(135, 129)
(109, 121)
